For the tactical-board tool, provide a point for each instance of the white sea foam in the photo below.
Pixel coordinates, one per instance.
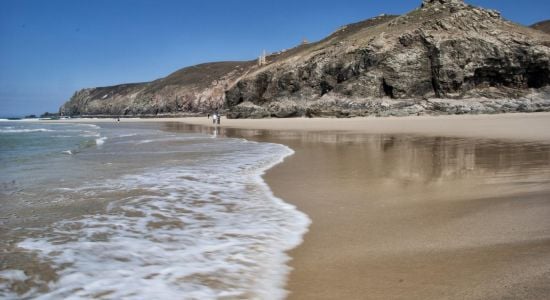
(207, 229)
(127, 135)
(19, 120)
(87, 133)
(89, 125)
(24, 130)
(13, 275)
(68, 152)
(7, 278)
(145, 141)
(100, 141)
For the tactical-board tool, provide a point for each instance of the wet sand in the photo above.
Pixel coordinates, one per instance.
(416, 208)
(516, 126)
(454, 207)
(418, 218)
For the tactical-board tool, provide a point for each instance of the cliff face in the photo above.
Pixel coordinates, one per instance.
(406, 65)
(444, 57)
(542, 26)
(191, 90)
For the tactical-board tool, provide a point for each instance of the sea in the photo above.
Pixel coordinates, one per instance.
(117, 210)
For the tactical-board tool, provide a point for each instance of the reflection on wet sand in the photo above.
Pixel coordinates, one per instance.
(402, 216)
(408, 158)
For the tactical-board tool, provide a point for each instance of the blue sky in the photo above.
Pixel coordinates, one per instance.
(49, 49)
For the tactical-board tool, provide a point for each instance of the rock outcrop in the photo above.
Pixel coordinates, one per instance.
(427, 3)
(192, 90)
(542, 26)
(444, 57)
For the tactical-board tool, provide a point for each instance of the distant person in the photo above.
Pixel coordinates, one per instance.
(214, 117)
(118, 119)
(219, 118)
(208, 116)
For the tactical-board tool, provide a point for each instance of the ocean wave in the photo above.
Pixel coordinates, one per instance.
(127, 135)
(145, 141)
(13, 275)
(89, 134)
(8, 278)
(25, 130)
(100, 141)
(19, 120)
(210, 229)
(88, 125)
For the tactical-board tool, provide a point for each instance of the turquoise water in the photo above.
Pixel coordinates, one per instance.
(138, 211)
(31, 152)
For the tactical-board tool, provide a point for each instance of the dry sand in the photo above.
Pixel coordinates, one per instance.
(519, 126)
(453, 207)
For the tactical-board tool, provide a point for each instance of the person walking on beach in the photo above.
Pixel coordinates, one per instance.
(219, 118)
(214, 117)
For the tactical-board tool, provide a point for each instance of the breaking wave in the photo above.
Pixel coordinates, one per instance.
(207, 228)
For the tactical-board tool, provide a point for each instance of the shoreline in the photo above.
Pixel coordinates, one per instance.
(510, 126)
(382, 227)
(358, 250)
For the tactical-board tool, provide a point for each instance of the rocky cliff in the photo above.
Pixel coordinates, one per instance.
(191, 90)
(543, 26)
(444, 57)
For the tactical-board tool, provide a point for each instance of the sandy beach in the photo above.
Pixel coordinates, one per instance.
(451, 207)
(367, 150)
(516, 126)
